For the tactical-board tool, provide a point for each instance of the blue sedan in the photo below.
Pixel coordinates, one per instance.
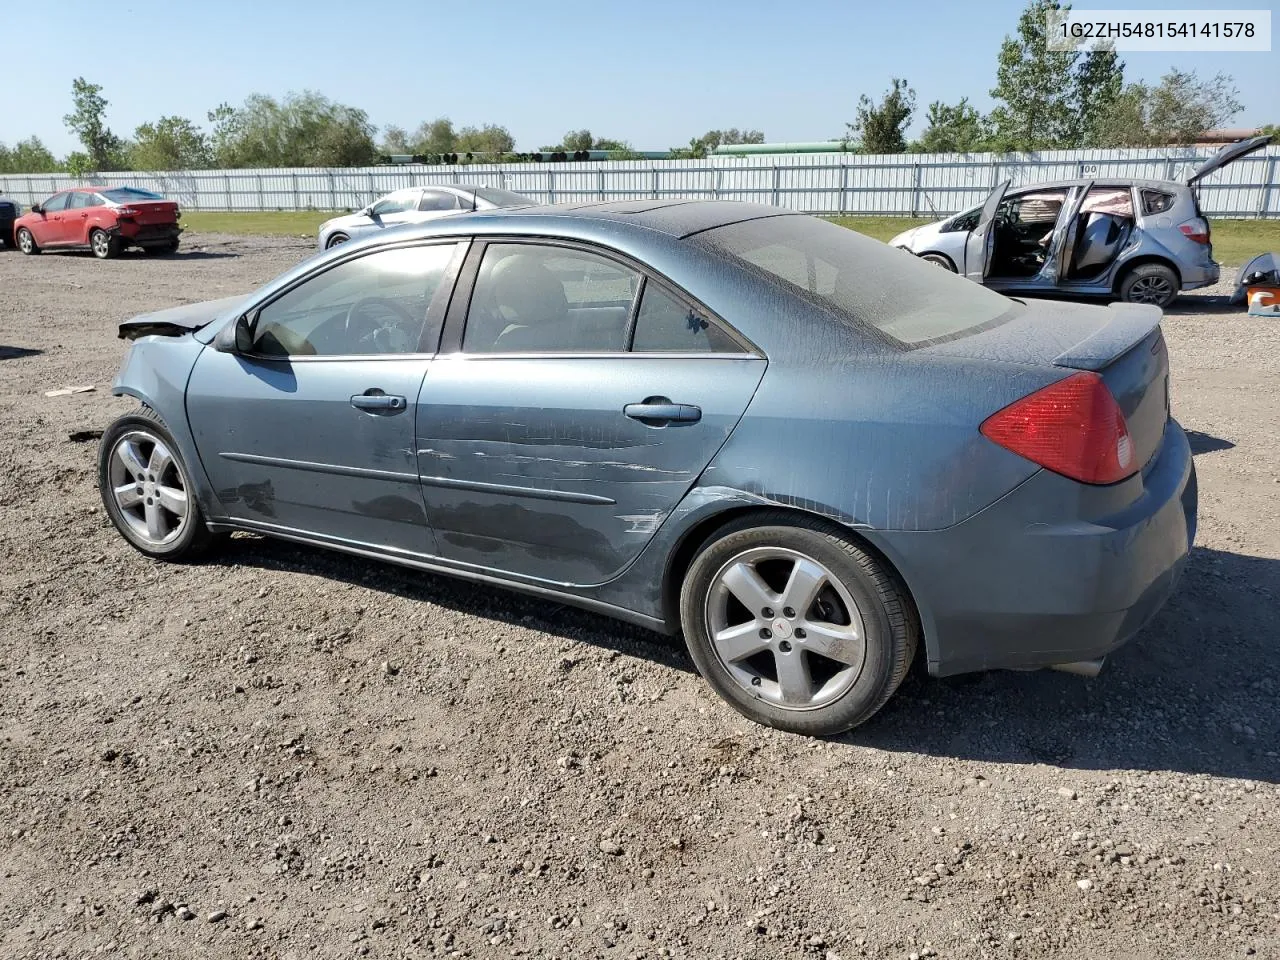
(806, 451)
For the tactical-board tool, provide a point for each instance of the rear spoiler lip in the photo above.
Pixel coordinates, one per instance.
(1132, 324)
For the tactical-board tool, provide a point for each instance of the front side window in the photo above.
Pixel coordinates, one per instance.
(374, 304)
(395, 203)
(542, 299)
(857, 279)
(55, 203)
(666, 324)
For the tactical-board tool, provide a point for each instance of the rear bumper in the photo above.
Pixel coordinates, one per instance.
(147, 233)
(1011, 588)
(1200, 275)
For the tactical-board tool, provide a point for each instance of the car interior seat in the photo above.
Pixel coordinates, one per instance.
(525, 306)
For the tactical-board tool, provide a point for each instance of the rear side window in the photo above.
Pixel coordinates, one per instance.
(543, 299)
(857, 279)
(82, 200)
(1156, 201)
(437, 200)
(666, 324)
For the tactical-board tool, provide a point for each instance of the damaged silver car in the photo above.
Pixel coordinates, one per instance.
(1141, 241)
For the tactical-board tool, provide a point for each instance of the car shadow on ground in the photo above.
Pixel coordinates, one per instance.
(463, 596)
(1198, 691)
(1200, 304)
(14, 353)
(1206, 443)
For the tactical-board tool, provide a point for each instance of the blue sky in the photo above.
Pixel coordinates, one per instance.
(654, 72)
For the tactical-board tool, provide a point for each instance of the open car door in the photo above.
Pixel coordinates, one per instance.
(1065, 237)
(981, 240)
(1228, 154)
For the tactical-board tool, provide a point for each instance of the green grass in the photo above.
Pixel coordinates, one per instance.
(1235, 242)
(273, 224)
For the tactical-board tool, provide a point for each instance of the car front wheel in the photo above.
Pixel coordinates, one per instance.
(146, 489)
(27, 242)
(336, 239)
(795, 625)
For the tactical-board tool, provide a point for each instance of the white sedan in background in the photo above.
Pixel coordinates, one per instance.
(416, 205)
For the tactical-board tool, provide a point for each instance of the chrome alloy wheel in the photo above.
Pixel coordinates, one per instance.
(785, 628)
(149, 488)
(1155, 290)
(101, 244)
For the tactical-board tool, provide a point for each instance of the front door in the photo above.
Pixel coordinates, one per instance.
(312, 430)
(980, 243)
(49, 229)
(555, 442)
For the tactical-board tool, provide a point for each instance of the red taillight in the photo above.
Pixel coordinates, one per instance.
(127, 211)
(1073, 427)
(1196, 230)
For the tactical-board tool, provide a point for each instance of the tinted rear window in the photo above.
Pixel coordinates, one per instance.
(860, 279)
(503, 198)
(128, 194)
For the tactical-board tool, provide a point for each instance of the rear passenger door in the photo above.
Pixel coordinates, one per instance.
(574, 402)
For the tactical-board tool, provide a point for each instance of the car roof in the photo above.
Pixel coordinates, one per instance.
(673, 217)
(1099, 180)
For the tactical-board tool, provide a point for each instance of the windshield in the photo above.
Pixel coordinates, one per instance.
(504, 198)
(910, 300)
(129, 194)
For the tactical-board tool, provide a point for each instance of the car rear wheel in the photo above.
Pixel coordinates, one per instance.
(336, 239)
(939, 260)
(1150, 283)
(795, 625)
(103, 245)
(146, 489)
(27, 242)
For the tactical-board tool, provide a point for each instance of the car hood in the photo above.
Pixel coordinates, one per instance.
(176, 321)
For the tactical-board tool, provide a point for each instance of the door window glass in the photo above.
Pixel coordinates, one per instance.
(437, 200)
(531, 298)
(1156, 201)
(55, 203)
(665, 324)
(375, 304)
(82, 200)
(395, 203)
(1117, 201)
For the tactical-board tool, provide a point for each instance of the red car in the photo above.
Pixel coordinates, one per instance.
(104, 219)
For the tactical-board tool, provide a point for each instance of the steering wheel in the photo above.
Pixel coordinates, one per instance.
(364, 324)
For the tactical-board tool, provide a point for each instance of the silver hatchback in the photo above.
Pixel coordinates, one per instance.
(1139, 240)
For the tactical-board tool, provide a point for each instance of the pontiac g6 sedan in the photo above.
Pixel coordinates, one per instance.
(803, 449)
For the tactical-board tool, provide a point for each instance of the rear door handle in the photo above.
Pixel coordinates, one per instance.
(371, 400)
(657, 410)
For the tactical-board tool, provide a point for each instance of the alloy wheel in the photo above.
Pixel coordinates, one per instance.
(785, 628)
(26, 243)
(101, 244)
(149, 488)
(1150, 290)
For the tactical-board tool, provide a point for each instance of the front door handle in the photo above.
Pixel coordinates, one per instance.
(377, 400)
(655, 411)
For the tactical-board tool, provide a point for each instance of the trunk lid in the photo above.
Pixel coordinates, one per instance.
(1122, 343)
(1228, 154)
(152, 212)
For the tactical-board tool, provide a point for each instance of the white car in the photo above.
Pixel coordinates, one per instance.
(416, 205)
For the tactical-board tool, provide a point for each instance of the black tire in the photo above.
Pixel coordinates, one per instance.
(191, 537)
(27, 242)
(889, 628)
(103, 245)
(939, 260)
(1152, 283)
(161, 249)
(335, 239)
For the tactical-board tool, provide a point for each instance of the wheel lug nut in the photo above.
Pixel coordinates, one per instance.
(788, 612)
(785, 646)
(755, 681)
(767, 613)
(800, 634)
(766, 634)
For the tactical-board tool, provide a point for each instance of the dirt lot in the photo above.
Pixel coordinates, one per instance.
(287, 753)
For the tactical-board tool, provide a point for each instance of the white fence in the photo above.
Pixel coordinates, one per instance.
(921, 185)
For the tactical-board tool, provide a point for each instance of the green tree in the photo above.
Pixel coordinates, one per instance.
(1175, 111)
(88, 122)
(952, 129)
(576, 140)
(171, 143)
(1050, 99)
(394, 140)
(302, 130)
(27, 156)
(434, 136)
(882, 128)
(490, 138)
(706, 144)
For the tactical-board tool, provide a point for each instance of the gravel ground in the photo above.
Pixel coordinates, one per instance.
(288, 753)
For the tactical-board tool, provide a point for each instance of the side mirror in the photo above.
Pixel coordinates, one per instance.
(36, 208)
(235, 337)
